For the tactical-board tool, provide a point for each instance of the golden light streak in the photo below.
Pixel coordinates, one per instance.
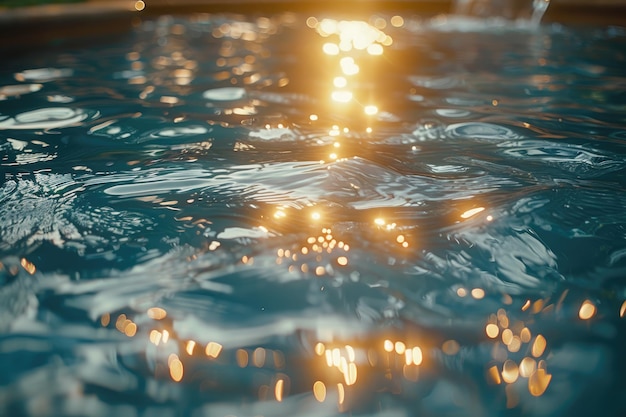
(336, 355)
(503, 320)
(348, 66)
(507, 336)
(166, 336)
(408, 357)
(370, 110)
(169, 100)
(191, 344)
(352, 374)
(538, 382)
(319, 391)
(155, 337)
(622, 310)
(526, 305)
(587, 310)
(492, 330)
(330, 48)
(119, 323)
(320, 348)
(341, 96)
(130, 329)
(340, 82)
(242, 358)
(417, 355)
(329, 357)
(388, 346)
(515, 345)
(278, 390)
(258, 357)
(176, 367)
(375, 49)
(213, 349)
(157, 313)
(494, 375)
(397, 21)
(527, 366)
(510, 371)
(327, 27)
(539, 346)
(400, 347)
(478, 293)
(28, 266)
(341, 393)
(351, 353)
(472, 212)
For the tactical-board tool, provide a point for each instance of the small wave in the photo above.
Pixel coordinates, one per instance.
(47, 208)
(480, 130)
(225, 94)
(576, 159)
(46, 118)
(43, 75)
(18, 90)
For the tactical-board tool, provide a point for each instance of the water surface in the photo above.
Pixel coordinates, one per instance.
(294, 215)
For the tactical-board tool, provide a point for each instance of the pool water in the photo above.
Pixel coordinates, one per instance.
(247, 215)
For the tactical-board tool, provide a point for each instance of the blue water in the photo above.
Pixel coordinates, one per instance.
(199, 218)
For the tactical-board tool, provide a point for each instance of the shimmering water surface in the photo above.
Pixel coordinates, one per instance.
(289, 215)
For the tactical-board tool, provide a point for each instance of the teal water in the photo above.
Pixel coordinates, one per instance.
(234, 215)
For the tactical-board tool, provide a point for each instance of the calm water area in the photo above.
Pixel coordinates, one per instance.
(293, 215)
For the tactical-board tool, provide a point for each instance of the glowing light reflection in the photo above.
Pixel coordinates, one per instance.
(175, 367)
(319, 391)
(472, 212)
(587, 310)
(538, 382)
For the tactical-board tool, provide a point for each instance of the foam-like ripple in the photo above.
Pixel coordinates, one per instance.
(481, 130)
(572, 158)
(44, 74)
(18, 90)
(46, 118)
(225, 94)
(47, 208)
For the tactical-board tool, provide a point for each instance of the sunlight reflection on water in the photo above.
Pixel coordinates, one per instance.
(293, 215)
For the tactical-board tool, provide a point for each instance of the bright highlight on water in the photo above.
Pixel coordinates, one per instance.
(234, 215)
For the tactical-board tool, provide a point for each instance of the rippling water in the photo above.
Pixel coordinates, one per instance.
(286, 215)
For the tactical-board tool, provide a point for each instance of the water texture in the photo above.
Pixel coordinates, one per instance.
(234, 215)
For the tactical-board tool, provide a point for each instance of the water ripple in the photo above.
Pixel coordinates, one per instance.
(46, 118)
(576, 159)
